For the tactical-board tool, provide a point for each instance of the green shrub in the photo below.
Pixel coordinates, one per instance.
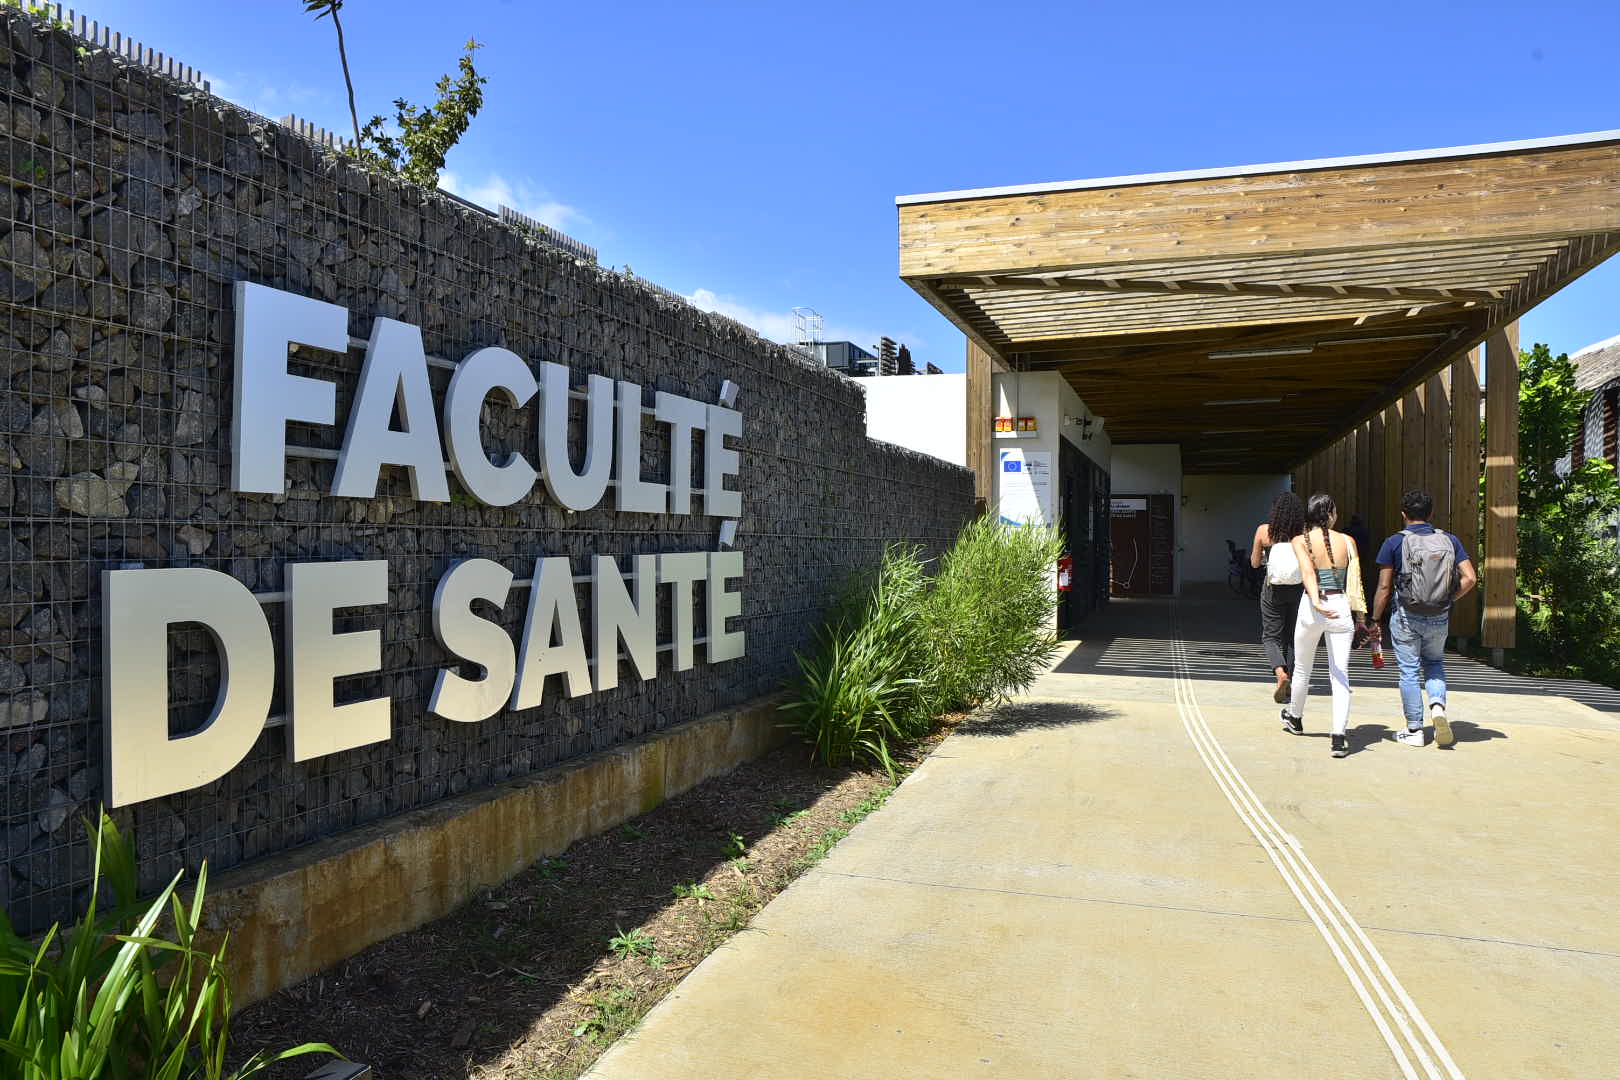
(903, 649)
(988, 618)
(112, 998)
(858, 691)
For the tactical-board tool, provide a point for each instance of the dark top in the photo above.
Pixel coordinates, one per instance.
(1390, 554)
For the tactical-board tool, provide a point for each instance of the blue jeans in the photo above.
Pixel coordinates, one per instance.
(1420, 652)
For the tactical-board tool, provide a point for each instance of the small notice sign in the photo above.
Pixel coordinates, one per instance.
(1026, 487)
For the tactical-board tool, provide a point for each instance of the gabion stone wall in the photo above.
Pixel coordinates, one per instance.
(130, 206)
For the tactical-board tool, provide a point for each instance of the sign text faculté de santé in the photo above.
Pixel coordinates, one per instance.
(139, 606)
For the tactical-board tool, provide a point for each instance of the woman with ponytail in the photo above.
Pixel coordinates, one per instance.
(1331, 569)
(1279, 597)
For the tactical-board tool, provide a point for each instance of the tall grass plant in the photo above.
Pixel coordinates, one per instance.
(902, 648)
(122, 995)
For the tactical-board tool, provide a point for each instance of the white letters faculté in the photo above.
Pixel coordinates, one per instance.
(395, 373)
(141, 606)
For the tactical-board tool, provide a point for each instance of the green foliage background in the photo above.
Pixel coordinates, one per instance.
(414, 145)
(1569, 573)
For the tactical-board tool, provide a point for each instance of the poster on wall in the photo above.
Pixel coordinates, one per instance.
(1026, 487)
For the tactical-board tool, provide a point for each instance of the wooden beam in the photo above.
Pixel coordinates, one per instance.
(1501, 488)
(1465, 472)
(962, 320)
(1103, 320)
(1405, 264)
(1177, 286)
(1305, 331)
(1573, 260)
(1533, 195)
(980, 419)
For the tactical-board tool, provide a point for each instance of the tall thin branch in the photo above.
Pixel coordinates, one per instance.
(343, 55)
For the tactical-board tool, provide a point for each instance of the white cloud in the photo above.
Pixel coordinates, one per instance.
(275, 100)
(779, 325)
(495, 190)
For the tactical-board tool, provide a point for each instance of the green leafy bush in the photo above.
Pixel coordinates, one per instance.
(114, 999)
(987, 622)
(859, 691)
(906, 648)
(1568, 570)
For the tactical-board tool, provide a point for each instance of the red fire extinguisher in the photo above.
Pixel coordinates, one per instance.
(1065, 573)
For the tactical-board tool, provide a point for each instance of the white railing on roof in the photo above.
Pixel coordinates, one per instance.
(314, 132)
(577, 248)
(90, 30)
(668, 294)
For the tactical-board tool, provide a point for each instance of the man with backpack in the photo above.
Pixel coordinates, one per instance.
(1426, 570)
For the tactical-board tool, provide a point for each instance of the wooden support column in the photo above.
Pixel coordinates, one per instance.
(1437, 445)
(1341, 475)
(1349, 502)
(980, 420)
(1413, 428)
(1375, 514)
(1465, 463)
(1501, 488)
(1364, 479)
(1393, 427)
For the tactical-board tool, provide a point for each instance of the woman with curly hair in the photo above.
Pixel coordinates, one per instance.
(1279, 597)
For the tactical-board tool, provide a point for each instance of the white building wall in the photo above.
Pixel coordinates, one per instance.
(1153, 469)
(925, 413)
(1218, 509)
(1048, 397)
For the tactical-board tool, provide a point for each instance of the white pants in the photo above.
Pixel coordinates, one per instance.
(1311, 626)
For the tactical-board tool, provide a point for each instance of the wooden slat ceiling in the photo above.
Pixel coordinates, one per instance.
(1253, 316)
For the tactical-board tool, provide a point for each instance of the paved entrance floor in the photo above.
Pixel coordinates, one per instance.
(1134, 872)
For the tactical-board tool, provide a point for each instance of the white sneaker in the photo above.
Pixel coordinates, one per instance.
(1442, 726)
(1412, 738)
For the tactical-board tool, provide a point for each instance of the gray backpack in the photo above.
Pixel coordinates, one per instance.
(1428, 578)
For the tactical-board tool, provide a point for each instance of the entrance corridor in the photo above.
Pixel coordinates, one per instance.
(1132, 871)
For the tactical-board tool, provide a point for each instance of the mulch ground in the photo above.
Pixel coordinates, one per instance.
(534, 979)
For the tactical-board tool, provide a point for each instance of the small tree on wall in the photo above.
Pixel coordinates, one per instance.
(416, 144)
(1568, 582)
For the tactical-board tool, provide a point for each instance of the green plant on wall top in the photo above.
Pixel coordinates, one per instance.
(112, 998)
(415, 143)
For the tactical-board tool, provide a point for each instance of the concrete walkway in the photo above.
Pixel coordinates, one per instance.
(1134, 872)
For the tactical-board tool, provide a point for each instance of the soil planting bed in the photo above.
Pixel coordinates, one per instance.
(535, 978)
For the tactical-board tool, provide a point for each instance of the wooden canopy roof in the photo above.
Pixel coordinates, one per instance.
(1254, 314)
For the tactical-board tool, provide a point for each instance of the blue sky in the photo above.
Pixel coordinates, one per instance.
(748, 155)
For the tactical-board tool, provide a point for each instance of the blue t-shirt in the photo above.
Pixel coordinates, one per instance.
(1390, 554)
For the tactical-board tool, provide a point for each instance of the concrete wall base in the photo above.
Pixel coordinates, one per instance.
(296, 914)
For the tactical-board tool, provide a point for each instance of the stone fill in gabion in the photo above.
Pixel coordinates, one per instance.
(131, 204)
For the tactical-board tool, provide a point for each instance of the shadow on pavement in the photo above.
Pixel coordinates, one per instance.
(1015, 717)
(1134, 637)
(1466, 732)
(1379, 736)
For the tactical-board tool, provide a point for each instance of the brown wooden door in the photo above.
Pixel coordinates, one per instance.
(1130, 537)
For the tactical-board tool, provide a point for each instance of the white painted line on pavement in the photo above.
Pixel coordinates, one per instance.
(1338, 928)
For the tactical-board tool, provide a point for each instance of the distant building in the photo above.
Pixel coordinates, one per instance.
(858, 363)
(843, 356)
(1597, 371)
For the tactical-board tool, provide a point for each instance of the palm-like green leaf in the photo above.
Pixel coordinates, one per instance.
(113, 999)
